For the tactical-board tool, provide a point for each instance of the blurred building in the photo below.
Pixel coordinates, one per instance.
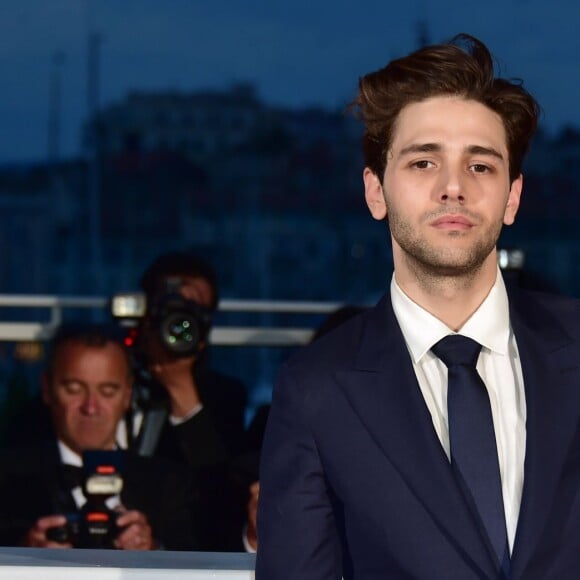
(42, 218)
(268, 194)
(197, 125)
(273, 197)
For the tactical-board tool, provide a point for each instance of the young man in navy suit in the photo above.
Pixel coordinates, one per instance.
(375, 432)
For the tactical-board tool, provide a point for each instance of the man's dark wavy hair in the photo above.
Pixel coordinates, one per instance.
(461, 67)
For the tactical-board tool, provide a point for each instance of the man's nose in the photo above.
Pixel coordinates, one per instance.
(90, 404)
(452, 185)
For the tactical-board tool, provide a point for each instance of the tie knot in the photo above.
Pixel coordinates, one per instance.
(456, 349)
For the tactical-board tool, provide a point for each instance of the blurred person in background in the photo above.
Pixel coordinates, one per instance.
(202, 410)
(87, 388)
(205, 408)
(182, 409)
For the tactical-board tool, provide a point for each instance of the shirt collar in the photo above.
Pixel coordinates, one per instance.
(489, 324)
(68, 456)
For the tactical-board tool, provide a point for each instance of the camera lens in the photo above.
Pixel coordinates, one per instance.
(180, 332)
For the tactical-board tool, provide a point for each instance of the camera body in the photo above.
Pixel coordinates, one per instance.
(94, 525)
(180, 325)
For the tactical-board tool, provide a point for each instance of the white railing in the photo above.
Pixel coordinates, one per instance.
(51, 310)
(51, 564)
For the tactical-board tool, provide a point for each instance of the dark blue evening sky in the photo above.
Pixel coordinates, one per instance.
(297, 53)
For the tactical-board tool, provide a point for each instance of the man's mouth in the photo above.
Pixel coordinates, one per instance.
(452, 222)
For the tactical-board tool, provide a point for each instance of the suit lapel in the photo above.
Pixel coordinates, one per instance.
(549, 359)
(383, 391)
(60, 497)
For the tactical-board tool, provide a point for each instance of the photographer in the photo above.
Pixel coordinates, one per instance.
(87, 387)
(203, 425)
(205, 408)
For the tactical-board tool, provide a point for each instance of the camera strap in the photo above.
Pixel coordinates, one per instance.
(150, 431)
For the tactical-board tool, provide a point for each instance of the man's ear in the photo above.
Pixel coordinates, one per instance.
(513, 202)
(374, 194)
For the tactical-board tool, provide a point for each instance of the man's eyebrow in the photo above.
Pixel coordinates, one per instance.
(436, 147)
(480, 150)
(420, 148)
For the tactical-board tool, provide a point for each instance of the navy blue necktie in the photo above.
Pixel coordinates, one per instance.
(472, 440)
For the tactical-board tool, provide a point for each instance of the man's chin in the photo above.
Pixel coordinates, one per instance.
(451, 265)
(93, 444)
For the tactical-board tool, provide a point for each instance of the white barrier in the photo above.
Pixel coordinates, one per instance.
(55, 306)
(54, 564)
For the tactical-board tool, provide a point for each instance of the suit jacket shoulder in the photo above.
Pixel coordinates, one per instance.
(543, 312)
(29, 488)
(362, 342)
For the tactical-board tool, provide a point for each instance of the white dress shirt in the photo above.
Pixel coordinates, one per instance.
(500, 368)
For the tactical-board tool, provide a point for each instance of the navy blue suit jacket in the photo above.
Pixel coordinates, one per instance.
(354, 480)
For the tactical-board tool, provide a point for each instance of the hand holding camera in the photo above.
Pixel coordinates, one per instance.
(136, 533)
(127, 530)
(96, 525)
(44, 533)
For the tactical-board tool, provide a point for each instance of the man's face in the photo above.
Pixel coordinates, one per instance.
(446, 189)
(88, 394)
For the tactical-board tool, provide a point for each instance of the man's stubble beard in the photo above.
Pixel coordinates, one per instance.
(433, 262)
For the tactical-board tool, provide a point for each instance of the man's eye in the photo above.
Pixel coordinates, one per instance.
(480, 168)
(72, 387)
(423, 164)
(108, 391)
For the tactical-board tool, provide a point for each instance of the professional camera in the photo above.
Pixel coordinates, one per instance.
(181, 324)
(94, 525)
